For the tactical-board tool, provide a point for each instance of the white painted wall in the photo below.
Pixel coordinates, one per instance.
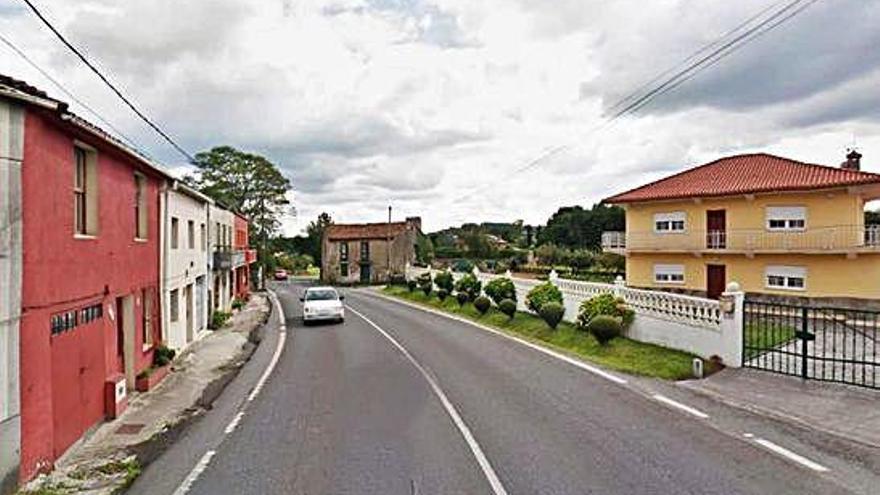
(185, 267)
(221, 237)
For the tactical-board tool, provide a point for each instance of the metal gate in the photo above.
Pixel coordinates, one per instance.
(818, 343)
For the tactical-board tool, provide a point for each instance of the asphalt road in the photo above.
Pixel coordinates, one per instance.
(346, 411)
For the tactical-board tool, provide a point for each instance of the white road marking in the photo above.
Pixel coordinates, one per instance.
(234, 423)
(197, 470)
(482, 460)
(282, 338)
(803, 461)
(678, 405)
(558, 355)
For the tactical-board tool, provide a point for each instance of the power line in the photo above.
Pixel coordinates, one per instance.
(70, 95)
(108, 83)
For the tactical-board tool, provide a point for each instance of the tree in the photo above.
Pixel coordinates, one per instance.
(246, 183)
(574, 227)
(315, 236)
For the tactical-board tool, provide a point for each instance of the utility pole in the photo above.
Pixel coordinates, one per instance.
(388, 246)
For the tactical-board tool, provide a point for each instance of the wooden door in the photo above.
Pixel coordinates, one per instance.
(716, 280)
(716, 229)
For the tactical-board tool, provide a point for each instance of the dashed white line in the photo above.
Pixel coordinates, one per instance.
(682, 407)
(482, 460)
(197, 470)
(803, 461)
(234, 423)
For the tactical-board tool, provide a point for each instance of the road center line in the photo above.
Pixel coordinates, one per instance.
(803, 461)
(678, 405)
(197, 470)
(234, 423)
(482, 460)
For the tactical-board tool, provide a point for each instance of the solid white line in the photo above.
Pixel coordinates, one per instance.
(558, 355)
(195, 473)
(482, 460)
(679, 405)
(282, 338)
(791, 455)
(234, 423)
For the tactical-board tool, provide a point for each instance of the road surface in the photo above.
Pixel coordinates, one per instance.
(400, 401)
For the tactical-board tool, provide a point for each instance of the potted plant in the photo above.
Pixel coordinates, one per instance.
(150, 377)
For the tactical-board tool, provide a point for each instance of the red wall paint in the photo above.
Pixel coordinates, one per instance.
(240, 243)
(62, 376)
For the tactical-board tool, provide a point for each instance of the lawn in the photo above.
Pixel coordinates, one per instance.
(620, 354)
(762, 336)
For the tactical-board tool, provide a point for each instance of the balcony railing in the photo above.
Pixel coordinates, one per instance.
(823, 239)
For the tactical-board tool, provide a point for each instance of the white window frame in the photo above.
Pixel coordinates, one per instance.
(787, 215)
(786, 275)
(669, 274)
(672, 220)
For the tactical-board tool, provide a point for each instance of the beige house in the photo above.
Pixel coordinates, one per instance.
(369, 252)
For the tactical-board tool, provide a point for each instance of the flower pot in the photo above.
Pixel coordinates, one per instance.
(151, 379)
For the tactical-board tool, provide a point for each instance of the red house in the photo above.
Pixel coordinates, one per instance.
(87, 261)
(244, 257)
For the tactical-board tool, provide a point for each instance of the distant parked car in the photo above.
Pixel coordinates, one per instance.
(280, 274)
(322, 304)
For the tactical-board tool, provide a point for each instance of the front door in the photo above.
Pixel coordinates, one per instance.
(365, 273)
(716, 279)
(716, 229)
(188, 302)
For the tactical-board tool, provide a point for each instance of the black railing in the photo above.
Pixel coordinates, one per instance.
(818, 343)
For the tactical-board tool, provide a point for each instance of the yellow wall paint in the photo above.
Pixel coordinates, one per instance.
(828, 275)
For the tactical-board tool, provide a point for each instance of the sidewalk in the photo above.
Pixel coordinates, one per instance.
(110, 458)
(845, 411)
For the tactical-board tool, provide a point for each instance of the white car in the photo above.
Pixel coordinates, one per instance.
(322, 304)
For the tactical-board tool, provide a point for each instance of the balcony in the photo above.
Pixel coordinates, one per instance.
(226, 258)
(841, 239)
(250, 256)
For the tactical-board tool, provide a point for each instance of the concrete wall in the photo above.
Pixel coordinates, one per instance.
(222, 281)
(402, 253)
(184, 267)
(11, 154)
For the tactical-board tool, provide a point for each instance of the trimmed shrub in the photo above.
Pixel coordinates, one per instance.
(411, 285)
(500, 289)
(442, 293)
(605, 304)
(445, 281)
(541, 295)
(482, 304)
(508, 307)
(426, 283)
(462, 298)
(163, 355)
(552, 313)
(605, 328)
(469, 285)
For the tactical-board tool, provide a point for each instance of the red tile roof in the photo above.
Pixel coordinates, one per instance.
(351, 232)
(745, 174)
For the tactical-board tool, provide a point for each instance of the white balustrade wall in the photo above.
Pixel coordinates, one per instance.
(687, 323)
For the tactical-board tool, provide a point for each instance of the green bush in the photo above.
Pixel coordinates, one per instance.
(445, 281)
(426, 283)
(500, 289)
(508, 307)
(462, 298)
(605, 304)
(218, 319)
(541, 295)
(463, 266)
(411, 285)
(552, 313)
(163, 355)
(237, 303)
(469, 285)
(442, 294)
(482, 304)
(605, 328)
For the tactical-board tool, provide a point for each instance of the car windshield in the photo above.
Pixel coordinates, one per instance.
(321, 295)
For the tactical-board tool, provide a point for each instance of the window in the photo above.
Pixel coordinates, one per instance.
(665, 223)
(174, 305)
(203, 241)
(174, 232)
(140, 206)
(786, 277)
(147, 317)
(365, 251)
(85, 188)
(669, 274)
(343, 259)
(786, 218)
(191, 234)
(216, 235)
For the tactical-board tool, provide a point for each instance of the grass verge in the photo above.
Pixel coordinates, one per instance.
(620, 354)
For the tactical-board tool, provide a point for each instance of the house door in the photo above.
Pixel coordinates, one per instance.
(200, 304)
(125, 333)
(365, 273)
(188, 304)
(716, 229)
(716, 279)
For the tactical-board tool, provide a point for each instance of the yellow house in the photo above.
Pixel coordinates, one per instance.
(774, 225)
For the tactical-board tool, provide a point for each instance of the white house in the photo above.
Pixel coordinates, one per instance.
(185, 264)
(221, 228)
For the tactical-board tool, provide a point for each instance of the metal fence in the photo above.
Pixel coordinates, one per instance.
(818, 343)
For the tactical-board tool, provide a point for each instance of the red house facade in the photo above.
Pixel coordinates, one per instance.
(89, 270)
(244, 255)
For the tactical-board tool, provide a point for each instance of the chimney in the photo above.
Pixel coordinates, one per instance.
(415, 222)
(853, 161)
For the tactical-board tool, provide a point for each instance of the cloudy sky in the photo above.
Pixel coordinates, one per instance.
(431, 105)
